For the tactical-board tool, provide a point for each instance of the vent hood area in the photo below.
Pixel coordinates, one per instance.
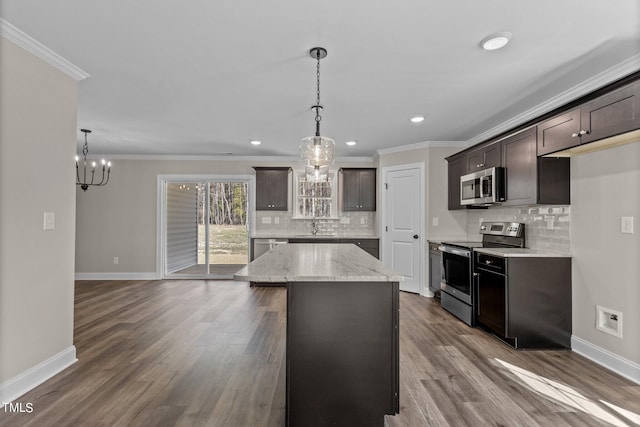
(603, 144)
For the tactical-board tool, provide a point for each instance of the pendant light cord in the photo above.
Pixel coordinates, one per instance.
(318, 118)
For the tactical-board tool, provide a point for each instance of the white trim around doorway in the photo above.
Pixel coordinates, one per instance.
(424, 290)
(161, 214)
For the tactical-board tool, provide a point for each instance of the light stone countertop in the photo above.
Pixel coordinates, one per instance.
(520, 252)
(309, 262)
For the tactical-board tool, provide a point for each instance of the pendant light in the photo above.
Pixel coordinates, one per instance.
(84, 183)
(317, 152)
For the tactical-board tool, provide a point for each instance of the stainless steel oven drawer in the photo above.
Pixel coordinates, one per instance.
(456, 307)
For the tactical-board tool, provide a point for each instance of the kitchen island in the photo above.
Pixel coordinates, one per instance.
(342, 366)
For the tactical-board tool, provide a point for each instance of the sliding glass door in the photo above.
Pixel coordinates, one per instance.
(206, 233)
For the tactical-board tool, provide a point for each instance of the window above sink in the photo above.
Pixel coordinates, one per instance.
(315, 199)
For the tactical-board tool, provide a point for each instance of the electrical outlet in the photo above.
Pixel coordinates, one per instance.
(363, 220)
(276, 220)
(609, 321)
(116, 260)
(434, 221)
(480, 221)
(626, 224)
(49, 221)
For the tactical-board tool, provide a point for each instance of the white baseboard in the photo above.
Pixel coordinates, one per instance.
(17, 386)
(609, 360)
(117, 276)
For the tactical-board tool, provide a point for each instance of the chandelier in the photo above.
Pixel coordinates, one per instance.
(106, 168)
(317, 152)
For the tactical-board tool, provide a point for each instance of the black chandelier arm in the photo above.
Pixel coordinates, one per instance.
(103, 181)
(77, 173)
(106, 167)
(106, 173)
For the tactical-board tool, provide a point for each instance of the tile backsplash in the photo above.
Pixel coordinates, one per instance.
(547, 228)
(357, 223)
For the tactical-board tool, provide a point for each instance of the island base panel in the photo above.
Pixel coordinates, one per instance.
(342, 353)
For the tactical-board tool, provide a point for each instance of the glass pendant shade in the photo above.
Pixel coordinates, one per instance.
(317, 151)
(316, 173)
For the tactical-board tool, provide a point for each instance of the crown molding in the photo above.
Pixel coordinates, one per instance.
(33, 46)
(229, 158)
(425, 144)
(598, 81)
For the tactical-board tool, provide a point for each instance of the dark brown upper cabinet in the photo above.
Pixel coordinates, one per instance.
(603, 117)
(559, 133)
(272, 188)
(531, 179)
(483, 157)
(612, 114)
(457, 168)
(358, 189)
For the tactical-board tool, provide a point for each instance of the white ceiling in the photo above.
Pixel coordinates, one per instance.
(205, 77)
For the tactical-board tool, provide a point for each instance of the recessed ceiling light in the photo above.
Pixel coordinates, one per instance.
(495, 41)
(255, 142)
(417, 119)
(350, 143)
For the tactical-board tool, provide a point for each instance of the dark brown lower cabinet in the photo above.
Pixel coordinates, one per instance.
(525, 301)
(342, 353)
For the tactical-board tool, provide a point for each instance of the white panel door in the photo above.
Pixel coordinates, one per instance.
(402, 226)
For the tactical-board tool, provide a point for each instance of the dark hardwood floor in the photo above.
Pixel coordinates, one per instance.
(196, 353)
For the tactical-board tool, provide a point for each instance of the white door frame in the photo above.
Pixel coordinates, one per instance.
(421, 232)
(161, 220)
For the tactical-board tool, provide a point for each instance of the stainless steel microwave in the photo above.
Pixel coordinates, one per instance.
(483, 188)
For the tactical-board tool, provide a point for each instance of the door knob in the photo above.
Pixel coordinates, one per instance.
(415, 236)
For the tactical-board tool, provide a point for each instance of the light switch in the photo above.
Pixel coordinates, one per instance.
(434, 221)
(49, 221)
(266, 220)
(276, 220)
(626, 224)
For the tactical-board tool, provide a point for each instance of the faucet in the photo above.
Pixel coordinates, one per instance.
(314, 227)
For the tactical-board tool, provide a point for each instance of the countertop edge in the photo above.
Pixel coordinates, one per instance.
(337, 236)
(530, 253)
(287, 279)
(317, 262)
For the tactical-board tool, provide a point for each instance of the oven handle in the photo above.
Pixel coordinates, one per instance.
(455, 251)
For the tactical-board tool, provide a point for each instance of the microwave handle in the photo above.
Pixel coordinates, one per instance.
(482, 179)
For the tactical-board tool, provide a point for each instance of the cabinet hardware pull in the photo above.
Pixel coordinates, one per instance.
(584, 132)
(574, 135)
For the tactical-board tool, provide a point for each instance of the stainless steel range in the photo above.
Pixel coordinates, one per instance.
(458, 295)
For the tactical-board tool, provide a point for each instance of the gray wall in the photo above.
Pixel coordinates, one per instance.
(37, 147)
(452, 225)
(120, 219)
(605, 186)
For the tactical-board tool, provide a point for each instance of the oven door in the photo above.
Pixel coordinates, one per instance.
(456, 273)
